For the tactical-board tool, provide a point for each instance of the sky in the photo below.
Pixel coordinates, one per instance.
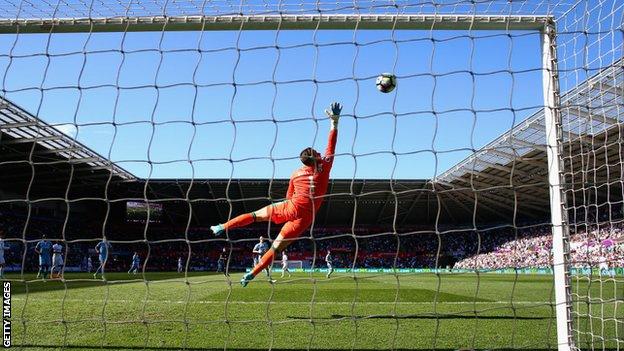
(177, 106)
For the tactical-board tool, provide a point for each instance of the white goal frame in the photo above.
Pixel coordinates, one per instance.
(544, 24)
(560, 233)
(291, 265)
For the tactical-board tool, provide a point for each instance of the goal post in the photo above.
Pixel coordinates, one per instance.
(560, 234)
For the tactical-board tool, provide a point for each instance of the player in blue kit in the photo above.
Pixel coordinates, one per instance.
(136, 262)
(258, 250)
(2, 248)
(102, 249)
(43, 249)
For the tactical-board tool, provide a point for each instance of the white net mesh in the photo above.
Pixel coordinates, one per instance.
(135, 125)
(592, 71)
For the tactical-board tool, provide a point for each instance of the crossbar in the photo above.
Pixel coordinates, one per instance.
(273, 22)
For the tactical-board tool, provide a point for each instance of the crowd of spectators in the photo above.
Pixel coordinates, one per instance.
(533, 249)
(161, 247)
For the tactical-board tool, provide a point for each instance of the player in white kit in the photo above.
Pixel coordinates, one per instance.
(329, 260)
(136, 263)
(285, 264)
(180, 269)
(57, 260)
(89, 264)
(2, 248)
(603, 266)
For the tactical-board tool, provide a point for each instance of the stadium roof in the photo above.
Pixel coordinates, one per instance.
(32, 147)
(511, 171)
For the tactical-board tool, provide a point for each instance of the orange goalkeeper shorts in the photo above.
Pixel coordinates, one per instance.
(295, 223)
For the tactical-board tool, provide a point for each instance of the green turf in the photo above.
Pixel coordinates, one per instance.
(374, 311)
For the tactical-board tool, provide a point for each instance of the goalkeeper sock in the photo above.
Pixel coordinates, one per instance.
(240, 221)
(265, 261)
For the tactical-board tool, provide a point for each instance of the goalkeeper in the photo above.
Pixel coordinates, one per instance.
(305, 193)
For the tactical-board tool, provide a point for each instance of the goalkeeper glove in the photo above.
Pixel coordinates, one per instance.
(334, 112)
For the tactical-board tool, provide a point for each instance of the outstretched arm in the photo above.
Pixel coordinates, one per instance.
(334, 114)
(291, 189)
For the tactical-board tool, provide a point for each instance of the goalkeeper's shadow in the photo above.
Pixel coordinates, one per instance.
(421, 316)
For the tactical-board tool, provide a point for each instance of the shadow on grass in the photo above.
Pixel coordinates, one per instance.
(328, 294)
(420, 316)
(29, 282)
(111, 347)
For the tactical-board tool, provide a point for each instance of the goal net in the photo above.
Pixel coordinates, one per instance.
(476, 205)
(592, 71)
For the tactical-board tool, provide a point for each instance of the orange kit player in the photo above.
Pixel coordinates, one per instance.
(305, 193)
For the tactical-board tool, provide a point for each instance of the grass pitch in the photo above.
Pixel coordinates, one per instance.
(167, 311)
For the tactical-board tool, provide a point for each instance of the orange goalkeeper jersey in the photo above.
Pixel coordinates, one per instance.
(308, 185)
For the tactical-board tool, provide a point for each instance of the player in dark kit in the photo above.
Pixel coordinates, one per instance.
(222, 262)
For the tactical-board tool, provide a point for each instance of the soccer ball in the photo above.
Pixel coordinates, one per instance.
(386, 82)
